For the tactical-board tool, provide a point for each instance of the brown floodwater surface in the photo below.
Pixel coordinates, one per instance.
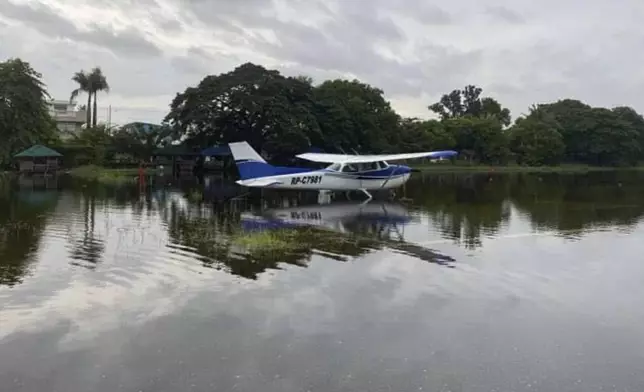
(490, 282)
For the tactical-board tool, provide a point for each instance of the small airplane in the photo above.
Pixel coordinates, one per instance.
(346, 172)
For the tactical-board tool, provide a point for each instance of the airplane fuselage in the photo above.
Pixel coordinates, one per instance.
(392, 176)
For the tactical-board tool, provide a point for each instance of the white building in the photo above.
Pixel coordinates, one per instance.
(68, 119)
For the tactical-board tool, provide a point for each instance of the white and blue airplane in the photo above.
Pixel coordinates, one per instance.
(346, 172)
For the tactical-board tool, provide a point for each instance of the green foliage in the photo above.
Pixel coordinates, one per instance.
(92, 145)
(480, 139)
(97, 82)
(595, 136)
(427, 135)
(272, 112)
(282, 116)
(468, 102)
(24, 117)
(536, 143)
(355, 116)
(90, 83)
(94, 173)
(141, 139)
(82, 79)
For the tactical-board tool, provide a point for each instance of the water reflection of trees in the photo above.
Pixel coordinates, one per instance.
(573, 204)
(466, 207)
(23, 217)
(462, 207)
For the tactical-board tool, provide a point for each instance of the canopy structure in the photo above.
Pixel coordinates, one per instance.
(38, 151)
(38, 159)
(174, 150)
(216, 151)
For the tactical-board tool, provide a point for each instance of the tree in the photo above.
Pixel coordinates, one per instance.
(490, 107)
(595, 136)
(82, 79)
(94, 143)
(460, 103)
(611, 140)
(573, 121)
(24, 114)
(272, 112)
(141, 139)
(636, 120)
(482, 139)
(427, 135)
(97, 82)
(90, 83)
(355, 116)
(535, 143)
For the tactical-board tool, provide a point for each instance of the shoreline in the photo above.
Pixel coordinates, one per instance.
(565, 168)
(108, 175)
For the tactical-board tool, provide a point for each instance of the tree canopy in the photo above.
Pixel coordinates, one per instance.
(283, 115)
(24, 116)
(90, 83)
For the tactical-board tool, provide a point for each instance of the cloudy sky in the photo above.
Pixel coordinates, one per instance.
(519, 51)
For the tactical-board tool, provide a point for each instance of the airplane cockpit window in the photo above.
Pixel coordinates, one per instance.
(367, 166)
(381, 165)
(348, 168)
(335, 167)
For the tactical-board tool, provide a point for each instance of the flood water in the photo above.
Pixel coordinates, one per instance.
(469, 283)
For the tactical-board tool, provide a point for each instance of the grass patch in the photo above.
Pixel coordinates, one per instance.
(565, 168)
(105, 175)
(283, 241)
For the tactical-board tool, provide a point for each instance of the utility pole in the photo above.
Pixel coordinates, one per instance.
(109, 117)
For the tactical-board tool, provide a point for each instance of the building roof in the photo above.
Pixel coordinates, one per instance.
(214, 151)
(144, 126)
(38, 151)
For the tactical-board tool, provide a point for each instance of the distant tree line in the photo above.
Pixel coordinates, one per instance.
(282, 116)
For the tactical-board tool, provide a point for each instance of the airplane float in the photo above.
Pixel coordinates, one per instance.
(346, 173)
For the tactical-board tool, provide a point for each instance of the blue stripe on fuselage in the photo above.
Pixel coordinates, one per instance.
(253, 169)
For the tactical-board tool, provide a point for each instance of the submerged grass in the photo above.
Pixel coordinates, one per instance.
(282, 241)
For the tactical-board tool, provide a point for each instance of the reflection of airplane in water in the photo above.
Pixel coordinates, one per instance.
(340, 217)
(383, 222)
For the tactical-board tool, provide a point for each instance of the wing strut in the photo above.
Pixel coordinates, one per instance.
(389, 178)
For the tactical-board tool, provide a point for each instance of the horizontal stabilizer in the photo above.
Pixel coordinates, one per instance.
(344, 158)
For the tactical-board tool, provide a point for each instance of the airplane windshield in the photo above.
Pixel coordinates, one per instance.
(335, 167)
(366, 166)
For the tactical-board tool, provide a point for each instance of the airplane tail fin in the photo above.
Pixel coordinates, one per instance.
(249, 163)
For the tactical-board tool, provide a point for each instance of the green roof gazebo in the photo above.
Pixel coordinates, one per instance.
(38, 159)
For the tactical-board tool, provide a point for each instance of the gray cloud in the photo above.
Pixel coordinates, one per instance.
(505, 14)
(414, 51)
(422, 11)
(48, 22)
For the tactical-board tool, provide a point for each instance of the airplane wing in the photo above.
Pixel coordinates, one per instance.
(259, 182)
(343, 158)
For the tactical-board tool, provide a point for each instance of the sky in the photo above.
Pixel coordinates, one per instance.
(520, 52)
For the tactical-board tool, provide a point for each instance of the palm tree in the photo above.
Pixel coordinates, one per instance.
(97, 82)
(84, 86)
